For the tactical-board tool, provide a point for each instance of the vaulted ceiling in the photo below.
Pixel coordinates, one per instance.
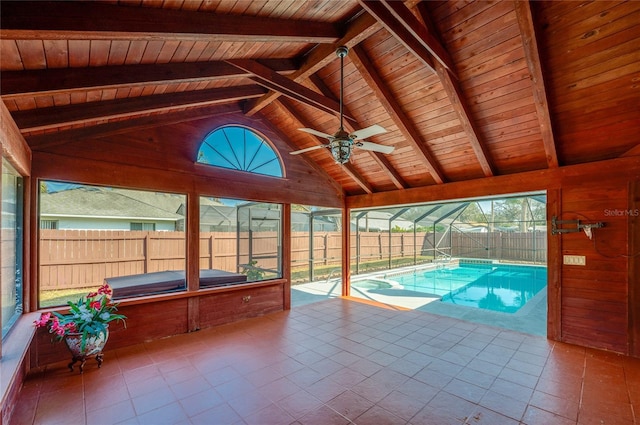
(465, 89)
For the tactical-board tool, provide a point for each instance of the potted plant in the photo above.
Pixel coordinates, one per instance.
(85, 329)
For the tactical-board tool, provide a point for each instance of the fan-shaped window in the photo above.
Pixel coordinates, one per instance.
(239, 148)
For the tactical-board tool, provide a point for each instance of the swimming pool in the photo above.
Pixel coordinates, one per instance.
(492, 286)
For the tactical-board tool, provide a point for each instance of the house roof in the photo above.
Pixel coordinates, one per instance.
(104, 203)
(465, 90)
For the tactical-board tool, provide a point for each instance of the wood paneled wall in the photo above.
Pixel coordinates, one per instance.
(634, 268)
(594, 310)
(164, 159)
(161, 316)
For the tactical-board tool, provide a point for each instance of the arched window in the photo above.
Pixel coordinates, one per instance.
(238, 148)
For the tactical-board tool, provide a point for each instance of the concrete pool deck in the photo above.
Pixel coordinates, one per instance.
(530, 319)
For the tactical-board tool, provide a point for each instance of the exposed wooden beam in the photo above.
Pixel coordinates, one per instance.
(25, 20)
(283, 85)
(14, 147)
(386, 165)
(386, 98)
(380, 158)
(57, 80)
(59, 116)
(634, 151)
(456, 96)
(454, 92)
(397, 25)
(348, 167)
(58, 138)
(399, 30)
(421, 34)
(357, 177)
(532, 55)
(358, 30)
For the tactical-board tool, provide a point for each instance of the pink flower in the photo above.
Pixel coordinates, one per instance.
(96, 305)
(56, 328)
(106, 290)
(43, 321)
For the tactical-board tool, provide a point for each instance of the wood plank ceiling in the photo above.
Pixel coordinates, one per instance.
(466, 89)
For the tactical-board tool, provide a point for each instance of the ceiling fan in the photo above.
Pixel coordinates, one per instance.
(341, 143)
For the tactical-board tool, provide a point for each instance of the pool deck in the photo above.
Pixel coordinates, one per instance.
(530, 319)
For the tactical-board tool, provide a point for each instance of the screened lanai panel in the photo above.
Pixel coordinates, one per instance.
(259, 239)
(408, 218)
(316, 244)
(511, 228)
(439, 214)
(239, 242)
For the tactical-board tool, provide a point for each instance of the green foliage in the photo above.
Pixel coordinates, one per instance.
(398, 229)
(253, 273)
(427, 229)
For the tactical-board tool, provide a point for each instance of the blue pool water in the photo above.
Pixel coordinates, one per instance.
(497, 287)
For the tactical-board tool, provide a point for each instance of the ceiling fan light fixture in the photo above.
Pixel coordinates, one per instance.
(341, 143)
(341, 150)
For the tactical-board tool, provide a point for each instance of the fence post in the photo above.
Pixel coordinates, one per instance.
(390, 247)
(146, 249)
(326, 248)
(358, 248)
(211, 251)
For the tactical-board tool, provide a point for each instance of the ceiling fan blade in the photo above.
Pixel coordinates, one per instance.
(312, 148)
(368, 146)
(368, 132)
(316, 133)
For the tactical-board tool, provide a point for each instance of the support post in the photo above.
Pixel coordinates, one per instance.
(285, 260)
(311, 254)
(346, 252)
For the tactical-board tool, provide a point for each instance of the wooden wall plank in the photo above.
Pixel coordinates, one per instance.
(634, 268)
(554, 267)
(218, 309)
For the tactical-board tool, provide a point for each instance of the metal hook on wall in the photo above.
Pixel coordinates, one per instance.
(557, 226)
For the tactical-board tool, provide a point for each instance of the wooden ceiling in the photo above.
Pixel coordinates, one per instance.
(466, 89)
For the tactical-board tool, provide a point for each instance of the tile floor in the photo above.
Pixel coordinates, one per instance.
(341, 361)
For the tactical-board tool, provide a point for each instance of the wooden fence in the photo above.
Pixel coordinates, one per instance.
(512, 246)
(83, 258)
